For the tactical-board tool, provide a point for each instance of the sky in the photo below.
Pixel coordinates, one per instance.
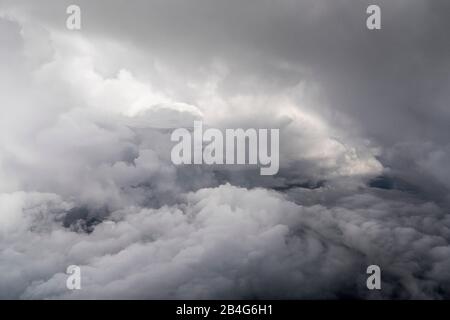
(86, 176)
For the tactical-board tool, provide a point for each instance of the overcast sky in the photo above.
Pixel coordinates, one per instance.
(86, 177)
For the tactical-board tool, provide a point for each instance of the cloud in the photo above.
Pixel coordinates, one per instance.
(85, 170)
(232, 242)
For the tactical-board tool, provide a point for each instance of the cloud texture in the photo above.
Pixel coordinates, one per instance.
(85, 170)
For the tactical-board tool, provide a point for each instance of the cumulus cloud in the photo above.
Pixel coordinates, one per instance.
(231, 242)
(85, 170)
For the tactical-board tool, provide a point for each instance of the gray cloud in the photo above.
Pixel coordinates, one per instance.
(85, 170)
(230, 242)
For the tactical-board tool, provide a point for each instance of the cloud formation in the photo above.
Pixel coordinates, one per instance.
(85, 170)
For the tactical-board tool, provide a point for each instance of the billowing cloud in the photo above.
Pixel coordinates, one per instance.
(230, 242)
(85, 170)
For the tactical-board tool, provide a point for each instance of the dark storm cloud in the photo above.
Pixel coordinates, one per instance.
(373, 75)
(393, 83)
(86, 176)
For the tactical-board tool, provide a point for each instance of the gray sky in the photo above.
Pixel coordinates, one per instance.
(85, 170)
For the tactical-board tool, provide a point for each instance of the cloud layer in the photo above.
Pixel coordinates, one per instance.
(85, 170)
